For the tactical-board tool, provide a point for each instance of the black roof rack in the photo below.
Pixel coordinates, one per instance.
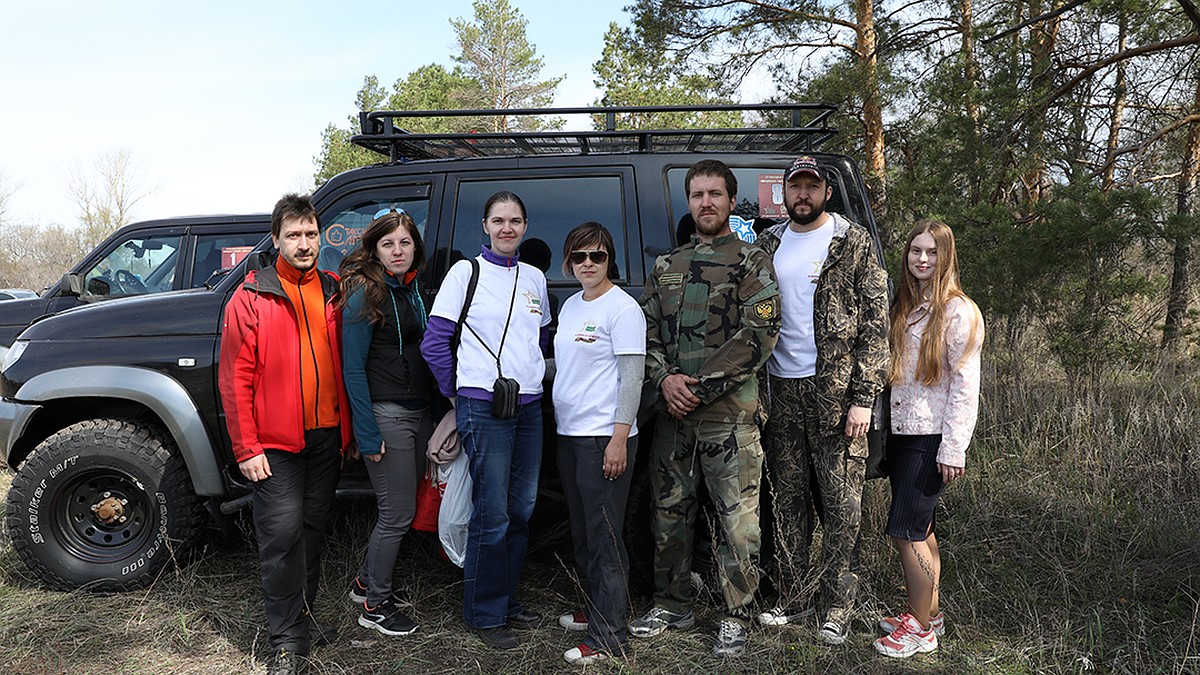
(382, 133)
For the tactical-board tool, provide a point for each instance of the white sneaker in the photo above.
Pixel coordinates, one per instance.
(583, 655)
(782, 616)
(907, 640)
(576, 621)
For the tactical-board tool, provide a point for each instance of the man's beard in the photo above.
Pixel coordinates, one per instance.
(713, 231)
(817, 210)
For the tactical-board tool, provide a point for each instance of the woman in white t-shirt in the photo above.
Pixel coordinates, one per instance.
(505, 328)
(600, 354)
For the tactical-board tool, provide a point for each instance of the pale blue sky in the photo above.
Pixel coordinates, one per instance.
(222, 103)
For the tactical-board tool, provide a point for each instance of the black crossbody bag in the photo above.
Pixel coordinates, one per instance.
(506, 392)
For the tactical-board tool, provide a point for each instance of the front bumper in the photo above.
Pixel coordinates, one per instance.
(14, 418)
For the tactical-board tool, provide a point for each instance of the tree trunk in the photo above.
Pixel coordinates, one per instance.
(1180, 291)
(876, 165)
(1116, 120)
(1042, 38)
(970, 63)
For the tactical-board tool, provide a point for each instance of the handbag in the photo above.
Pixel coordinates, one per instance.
(506, 392)
(429, 501)
(506, 397)
(881, 424)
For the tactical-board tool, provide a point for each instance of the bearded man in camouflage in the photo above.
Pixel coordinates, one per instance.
(712, 317)
(822, 380)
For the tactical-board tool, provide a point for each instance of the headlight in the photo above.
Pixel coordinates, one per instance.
(14, 353)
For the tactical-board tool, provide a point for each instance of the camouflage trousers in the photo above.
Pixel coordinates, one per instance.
(729, 457)
(812, 473)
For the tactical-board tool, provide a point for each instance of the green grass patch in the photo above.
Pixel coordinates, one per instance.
(1070, 547)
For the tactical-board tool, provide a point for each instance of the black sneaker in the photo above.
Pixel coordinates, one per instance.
(731, 638)
(387, 619)
(320, 634)
(834, 632)
(358, 594)
(284, 662)
(500, 637)
(658, 620)
(525, 619)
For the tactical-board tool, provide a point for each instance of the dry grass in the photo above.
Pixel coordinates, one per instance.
(1070, 547)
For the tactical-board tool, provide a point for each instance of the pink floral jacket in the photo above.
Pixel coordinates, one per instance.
(951, 406)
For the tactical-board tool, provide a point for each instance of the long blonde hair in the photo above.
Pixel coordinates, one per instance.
(944, 287)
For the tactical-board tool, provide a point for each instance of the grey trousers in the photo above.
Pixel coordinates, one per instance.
(405, 434)
(597, 509)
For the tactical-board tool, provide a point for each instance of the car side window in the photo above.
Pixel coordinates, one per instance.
(554, 207)
(136, 267)
(342, 228)
(220, 252)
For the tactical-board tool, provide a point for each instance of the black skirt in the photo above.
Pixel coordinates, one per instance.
(916, 485)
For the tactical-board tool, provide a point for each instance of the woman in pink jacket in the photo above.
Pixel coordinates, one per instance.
(935, 340)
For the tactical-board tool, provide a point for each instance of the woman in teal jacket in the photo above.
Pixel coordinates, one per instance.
(390, 389)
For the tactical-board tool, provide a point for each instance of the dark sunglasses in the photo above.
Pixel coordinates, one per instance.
(598, 257)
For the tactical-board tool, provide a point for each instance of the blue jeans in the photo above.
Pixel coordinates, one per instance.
(505, 458)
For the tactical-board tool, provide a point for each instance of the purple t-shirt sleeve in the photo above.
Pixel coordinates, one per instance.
(435, 347)
(544, 340)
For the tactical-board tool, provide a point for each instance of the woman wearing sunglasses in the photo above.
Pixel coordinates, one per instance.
(600, 354)
(494, 375)
(390, 389)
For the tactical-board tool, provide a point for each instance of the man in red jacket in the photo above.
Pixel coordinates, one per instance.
(287, 413)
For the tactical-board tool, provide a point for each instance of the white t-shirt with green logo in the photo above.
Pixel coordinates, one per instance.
(591, 334)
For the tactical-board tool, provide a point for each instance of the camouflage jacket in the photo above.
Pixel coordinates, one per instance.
(712, 312)
(850, 322)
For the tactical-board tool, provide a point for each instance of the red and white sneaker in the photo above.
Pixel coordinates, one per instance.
(890, 623)
(582, 655)
(907, 639)
(574, 621)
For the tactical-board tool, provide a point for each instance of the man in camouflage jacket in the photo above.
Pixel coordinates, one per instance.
(712, 317)
(820, 385)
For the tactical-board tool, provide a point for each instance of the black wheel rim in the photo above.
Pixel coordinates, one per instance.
(89, 508)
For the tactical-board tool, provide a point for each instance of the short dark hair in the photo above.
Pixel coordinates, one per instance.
(711, 167)
(294, 207)
(590, 233)
(504, 196)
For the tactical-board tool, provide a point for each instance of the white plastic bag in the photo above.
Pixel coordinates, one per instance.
(455, 514)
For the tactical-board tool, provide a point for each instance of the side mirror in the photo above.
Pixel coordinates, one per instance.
(99, 287)
(71, 284)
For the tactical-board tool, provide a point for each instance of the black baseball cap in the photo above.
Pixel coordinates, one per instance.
(806, 164)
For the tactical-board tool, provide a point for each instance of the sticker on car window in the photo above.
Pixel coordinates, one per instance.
(770, 196)
(232, 255)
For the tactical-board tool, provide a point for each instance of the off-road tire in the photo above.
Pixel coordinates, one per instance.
(104, 504)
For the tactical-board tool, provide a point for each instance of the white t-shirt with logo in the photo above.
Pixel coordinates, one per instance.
(521, 358)
(591, 334)
(798, 262)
